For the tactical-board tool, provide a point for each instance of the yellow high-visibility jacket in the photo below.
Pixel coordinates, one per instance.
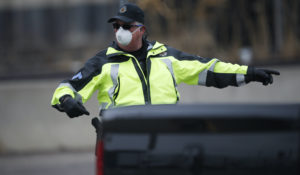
(120, 81)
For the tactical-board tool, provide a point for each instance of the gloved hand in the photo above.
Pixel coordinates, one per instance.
(261, 75)
(72, 107)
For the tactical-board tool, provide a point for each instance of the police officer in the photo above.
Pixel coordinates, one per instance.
(134, 71)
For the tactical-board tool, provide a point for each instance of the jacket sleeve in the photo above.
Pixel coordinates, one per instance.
(195, 70)
(81, 86)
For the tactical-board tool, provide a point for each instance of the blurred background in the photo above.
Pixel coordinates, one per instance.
(43, 42)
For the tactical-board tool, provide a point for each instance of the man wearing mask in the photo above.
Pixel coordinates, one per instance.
(134, 71)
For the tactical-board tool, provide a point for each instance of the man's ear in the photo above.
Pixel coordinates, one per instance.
(143, 29)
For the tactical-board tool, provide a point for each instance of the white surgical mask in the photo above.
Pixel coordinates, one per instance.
(124, 37)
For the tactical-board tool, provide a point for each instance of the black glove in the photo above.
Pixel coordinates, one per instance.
(72, 107)
(261, 75)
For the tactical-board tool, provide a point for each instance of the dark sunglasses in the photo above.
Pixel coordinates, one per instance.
(125, 26)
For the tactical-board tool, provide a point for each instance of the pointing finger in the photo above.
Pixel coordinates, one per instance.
(272, 71)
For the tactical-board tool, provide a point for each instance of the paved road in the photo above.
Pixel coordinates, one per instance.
(48, 164)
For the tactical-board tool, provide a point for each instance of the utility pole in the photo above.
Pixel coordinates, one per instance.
(278, 27)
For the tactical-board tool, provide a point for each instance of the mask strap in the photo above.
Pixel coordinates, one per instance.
(136, 30)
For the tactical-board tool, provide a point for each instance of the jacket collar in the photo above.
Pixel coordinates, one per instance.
(157, 48)
(154, 48)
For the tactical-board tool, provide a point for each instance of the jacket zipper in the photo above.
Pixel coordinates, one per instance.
(144, 80)
(116, 94)
(148, 67)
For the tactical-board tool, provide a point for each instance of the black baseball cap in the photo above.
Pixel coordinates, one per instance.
(128, 13)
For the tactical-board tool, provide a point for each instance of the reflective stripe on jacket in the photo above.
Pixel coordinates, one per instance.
(120, 81)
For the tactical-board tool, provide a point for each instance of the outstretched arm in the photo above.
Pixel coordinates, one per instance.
(70, 95)
(209, 72)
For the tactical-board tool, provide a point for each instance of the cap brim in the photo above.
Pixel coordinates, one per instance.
(121, 18)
